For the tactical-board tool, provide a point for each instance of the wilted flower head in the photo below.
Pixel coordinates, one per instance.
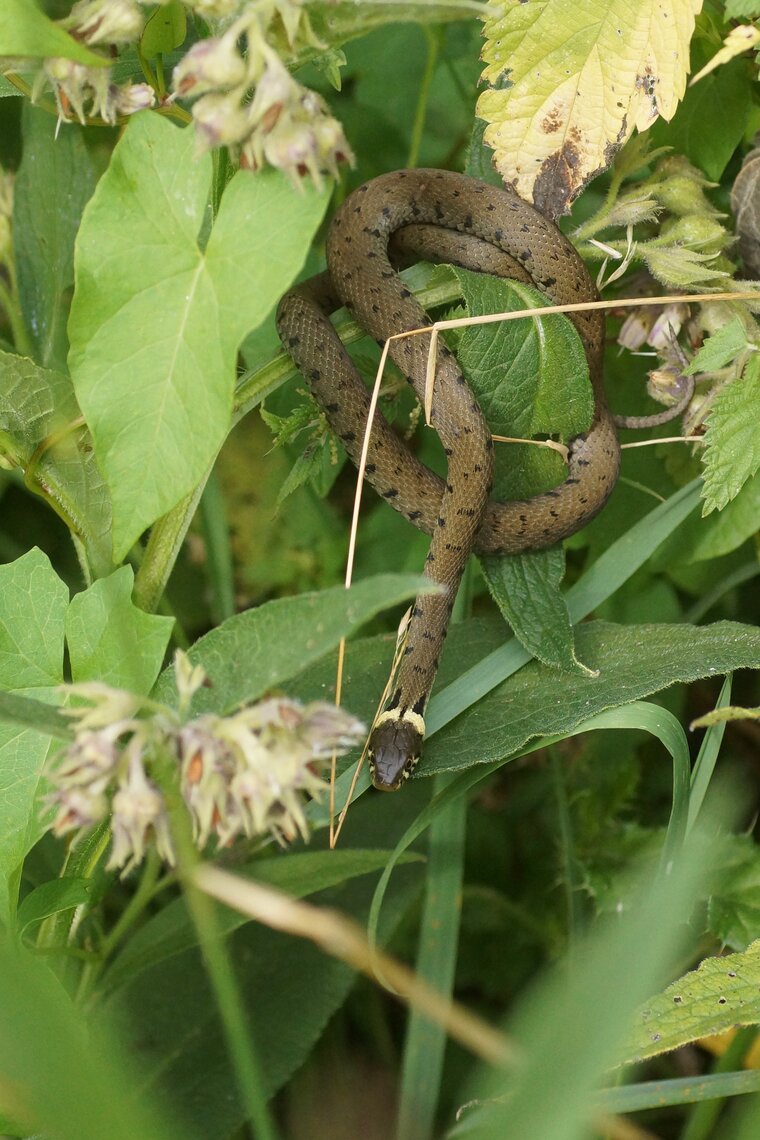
(245, 774)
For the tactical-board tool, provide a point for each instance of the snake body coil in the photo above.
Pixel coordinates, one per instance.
(452, 218)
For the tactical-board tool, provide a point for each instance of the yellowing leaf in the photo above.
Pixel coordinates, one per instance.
(721, 993)
(568, 82)
(738, 40)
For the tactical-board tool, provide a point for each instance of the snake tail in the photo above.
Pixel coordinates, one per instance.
(444, 217)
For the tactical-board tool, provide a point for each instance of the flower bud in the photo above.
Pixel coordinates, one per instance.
(220, 121)
(213, 64)
(635, 328)
(105, 21)
(696, 231)
(667, 326)
(667, 385)
(133, 97)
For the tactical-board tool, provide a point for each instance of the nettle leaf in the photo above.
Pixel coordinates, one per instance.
(722, 993)
(732, 442)
(24, 31)
(719, 349)
(38, 413)
(569, 82)
(156, 319)
(531, 377)
(111, 640)
(526, 588)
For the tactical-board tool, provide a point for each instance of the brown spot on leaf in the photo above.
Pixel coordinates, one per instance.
(552, 122)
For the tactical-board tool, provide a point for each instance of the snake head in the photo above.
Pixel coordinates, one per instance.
(394, 748)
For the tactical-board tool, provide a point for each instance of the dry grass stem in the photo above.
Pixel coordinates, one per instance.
(342, 938)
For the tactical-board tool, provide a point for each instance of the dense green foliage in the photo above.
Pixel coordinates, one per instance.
(569, 845)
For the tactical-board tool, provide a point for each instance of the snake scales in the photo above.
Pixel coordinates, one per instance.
(444, 217)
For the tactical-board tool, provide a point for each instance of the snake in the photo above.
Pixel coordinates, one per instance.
(444, 216)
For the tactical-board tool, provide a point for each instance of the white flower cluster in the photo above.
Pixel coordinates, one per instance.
(245, 98)
(249, 101)
(80, 90)
(247, 774)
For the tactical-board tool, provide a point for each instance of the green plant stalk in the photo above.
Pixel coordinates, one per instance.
(9, 302)
(433, 37)
(218, 554)
(56, 933)
(146, 890)
(703, 1116)
(425, 1043)
(568, 863)
(203, 913)
(161, 550)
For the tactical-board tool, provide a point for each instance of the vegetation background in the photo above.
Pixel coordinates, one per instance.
(568, 847)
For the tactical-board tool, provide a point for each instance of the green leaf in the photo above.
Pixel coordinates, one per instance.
(37, 411)
(732, 446)
(33, 603)
(55, 167)
(677, 1090)
(52, 898)
(156, 320)
(722, 532)
(530, 377)
(710, 123)
(631, 663)
(526, 588)
(733, 913)
(580, 1013)
(300, 874)
(720, 994)
(742, 9)
(23, 756)
(719, 349)
(68, 1079)
(24, 31)
(165, 29)
(265, 647)
(111, 640)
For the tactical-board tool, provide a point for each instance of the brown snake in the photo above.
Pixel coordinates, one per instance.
(443, 217)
